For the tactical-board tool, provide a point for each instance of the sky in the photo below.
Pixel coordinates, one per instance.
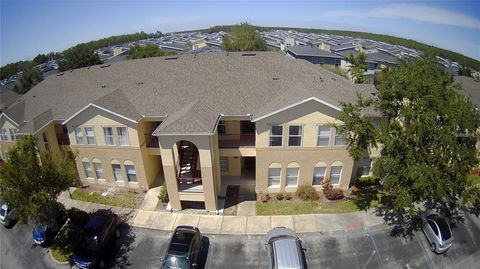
(31, 27)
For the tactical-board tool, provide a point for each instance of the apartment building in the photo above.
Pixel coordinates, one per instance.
(198, 122)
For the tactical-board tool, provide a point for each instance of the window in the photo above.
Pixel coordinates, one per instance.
(117, 172)
(131, 174)
(90, 135)
(318, 175)
(223, 163)
(13, 134)
(339, 139)
(87, 168)
(433, 226)
(276, 135)
(97, 165)
(323, 139)
(274, 177)
(295, 136)
(108, 134)
(3, 135)
(292, 176)
(364, 167)
(335, 173)
(45, 141)
(221, 127)
(122, 136)
(79, 135)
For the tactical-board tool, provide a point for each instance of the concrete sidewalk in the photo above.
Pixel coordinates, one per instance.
(238, 225)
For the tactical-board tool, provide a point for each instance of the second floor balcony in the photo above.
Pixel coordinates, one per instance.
(236, 140)
(63, 139)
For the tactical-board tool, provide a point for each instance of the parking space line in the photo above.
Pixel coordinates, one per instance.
(376, 249)
(430, 264)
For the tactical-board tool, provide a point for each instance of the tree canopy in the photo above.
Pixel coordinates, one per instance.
(77, 57)
(243, 37)
(150, 50)
(427, 138)
(31, 182)
(359, 64)
(29, 78)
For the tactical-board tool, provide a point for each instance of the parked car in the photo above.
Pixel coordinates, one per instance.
(438, 232)
(43, 233)
(8, 215)
(96, 236)
(284, 249)
(184, 248)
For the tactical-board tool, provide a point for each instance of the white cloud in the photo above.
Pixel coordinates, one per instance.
(411, 12)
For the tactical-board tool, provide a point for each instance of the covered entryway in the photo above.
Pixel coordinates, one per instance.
(189, 175)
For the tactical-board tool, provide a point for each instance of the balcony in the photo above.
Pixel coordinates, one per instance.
(236, 140)
(151, 141)
(63, 139)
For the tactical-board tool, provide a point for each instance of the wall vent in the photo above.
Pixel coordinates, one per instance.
(249, 54)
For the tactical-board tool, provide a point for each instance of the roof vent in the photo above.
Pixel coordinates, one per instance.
(104, 86)
(249, 54)
(140, 82)
(275, 78)
(105, 65)
(60, 74)
(171, 58)
(321, 79)
(34, 96)
(334, 79)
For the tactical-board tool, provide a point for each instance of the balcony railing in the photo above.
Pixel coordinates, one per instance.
(151, 141)
(63, 139)
(236, 140)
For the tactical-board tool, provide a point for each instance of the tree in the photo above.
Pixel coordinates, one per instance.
(150, 50)
(243, 37)
(29, 78)
(77, 57)
(40, 59)
(359, 64)
(427, 139)
(31, 182)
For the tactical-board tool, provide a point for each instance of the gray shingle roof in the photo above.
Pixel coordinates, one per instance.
(191, 90)
(311, 51)
(470, 88)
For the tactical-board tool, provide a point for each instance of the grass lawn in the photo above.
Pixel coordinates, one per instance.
(473, 180)
(129, 200)
(61, 254)
(301, 207)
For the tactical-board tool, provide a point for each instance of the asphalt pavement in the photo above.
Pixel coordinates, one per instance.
(374, 247)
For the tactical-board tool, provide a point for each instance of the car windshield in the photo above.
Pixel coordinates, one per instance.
(174, 262)
(180, 243)
(3, 212)
(443, 225)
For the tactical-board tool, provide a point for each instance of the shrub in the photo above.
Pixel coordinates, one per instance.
(307, 193)
(367, 181)
(334, 194)
(163, 196)
(326, 185)
(264, 197)
(288, 196)
(280, 196)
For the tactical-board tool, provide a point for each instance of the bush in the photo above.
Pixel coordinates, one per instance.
(288, 196)
(334, 194)
(367, 181)
(307, 193)
(280, 196)
(163, 196)
(264, 197)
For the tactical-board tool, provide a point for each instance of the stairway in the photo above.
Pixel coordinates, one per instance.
(188, 155)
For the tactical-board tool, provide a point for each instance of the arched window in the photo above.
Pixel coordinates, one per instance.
(97, 165)
(293, 170)
(274, 172)
(319, 173)
(130, 171)
(336, 172)
(117, 170)
(87, 168)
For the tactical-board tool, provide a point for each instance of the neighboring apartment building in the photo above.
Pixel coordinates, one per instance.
(196, 121)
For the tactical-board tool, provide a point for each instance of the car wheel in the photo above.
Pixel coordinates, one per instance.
(101, 264)
(433, 247)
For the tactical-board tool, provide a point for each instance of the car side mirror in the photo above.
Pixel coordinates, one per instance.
(194, 265)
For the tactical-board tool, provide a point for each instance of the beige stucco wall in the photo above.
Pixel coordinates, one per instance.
(234, 167)
(310, 115)
(6, 145)
(152, 162)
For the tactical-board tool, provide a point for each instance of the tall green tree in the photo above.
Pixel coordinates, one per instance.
(359, 64)
(150, 50)
(243, 37)
(31, 182)
(427, 138)
(79, 56)
(29, 78)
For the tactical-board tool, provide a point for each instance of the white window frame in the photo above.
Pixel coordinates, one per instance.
(271, 135)
(79, 134)
(87, 136)
(119, 177)
(337, 135)
(88, 169)
(328, 137)
(224, 164)
(299, 135)
(126, 136)
(98, 169)
(339, 175)
(287, 177)
(129, 174)
(271, 178)
(105, 136)
(322, 178)
(13, 134)
(3, 135)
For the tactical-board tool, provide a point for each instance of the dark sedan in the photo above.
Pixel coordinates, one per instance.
(184, 248)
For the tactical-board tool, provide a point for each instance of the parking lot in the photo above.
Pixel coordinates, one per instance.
(353, 248)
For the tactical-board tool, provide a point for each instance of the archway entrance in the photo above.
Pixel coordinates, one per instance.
(189, 176)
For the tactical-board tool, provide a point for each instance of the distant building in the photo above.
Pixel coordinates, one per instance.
(314, 55)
